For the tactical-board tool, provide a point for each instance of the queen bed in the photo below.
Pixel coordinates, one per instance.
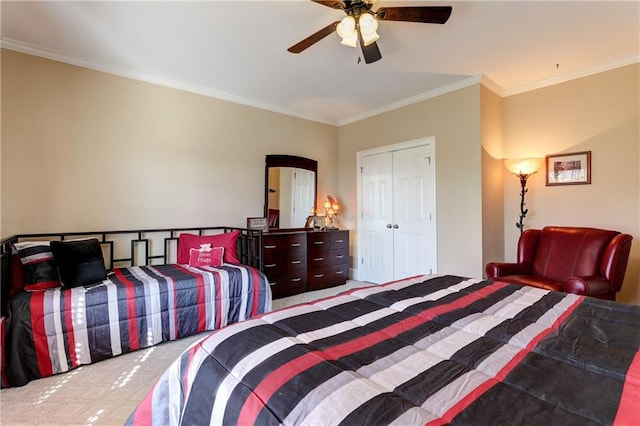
(425, 350)
(58, 315)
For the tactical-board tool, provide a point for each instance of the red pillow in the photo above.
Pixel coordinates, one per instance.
(227, 241)
(206, 256)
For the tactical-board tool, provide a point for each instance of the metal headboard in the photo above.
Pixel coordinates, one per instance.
(145, 247)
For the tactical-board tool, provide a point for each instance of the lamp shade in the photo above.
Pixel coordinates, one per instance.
(523, 166)
(346, 29)
(368, 27)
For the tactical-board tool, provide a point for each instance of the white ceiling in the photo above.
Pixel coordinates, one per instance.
(236, 50)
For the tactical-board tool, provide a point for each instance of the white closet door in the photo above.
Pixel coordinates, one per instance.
(412, 212)
(377, 217)
(397, 214)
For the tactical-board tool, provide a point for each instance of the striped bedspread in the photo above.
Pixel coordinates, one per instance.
(53, 331)
(426, 350)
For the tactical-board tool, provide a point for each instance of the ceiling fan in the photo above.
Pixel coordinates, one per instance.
(361, 24)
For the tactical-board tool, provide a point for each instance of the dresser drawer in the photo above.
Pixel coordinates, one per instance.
(285, 262)
(339, 239)
(280, 243)
(319, 259)
(328, 276)
(318, 241)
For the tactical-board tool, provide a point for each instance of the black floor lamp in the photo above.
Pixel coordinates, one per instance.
(523, 168)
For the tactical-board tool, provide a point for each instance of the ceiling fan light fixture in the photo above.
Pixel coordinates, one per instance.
(369, 38)
(368, 28)
(351, 41)
(367, 22)
(346, 27)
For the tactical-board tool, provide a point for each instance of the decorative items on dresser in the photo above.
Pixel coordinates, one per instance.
(296, 261)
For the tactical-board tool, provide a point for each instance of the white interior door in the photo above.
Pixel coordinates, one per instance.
(303, 193)
(397, 214)
(376, 172)
(412, 212)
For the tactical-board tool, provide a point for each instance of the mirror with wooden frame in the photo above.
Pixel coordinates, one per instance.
(291, 187)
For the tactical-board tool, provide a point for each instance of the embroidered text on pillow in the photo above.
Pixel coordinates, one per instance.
(206, 256)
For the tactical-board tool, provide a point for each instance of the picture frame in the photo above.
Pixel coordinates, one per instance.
(318, 222)
(568, 169)
(259, 223)
(309, 222)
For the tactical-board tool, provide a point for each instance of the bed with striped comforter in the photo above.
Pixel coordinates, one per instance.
(426, 350)
(53, 331)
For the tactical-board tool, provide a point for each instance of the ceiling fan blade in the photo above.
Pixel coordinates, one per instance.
(334, 4)
(426, 14)
(313, 38)
(371, 53)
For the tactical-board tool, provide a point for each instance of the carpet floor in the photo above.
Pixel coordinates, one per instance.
(105, 393)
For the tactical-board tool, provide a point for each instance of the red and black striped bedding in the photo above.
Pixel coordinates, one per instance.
(427, 350)
(53, 331)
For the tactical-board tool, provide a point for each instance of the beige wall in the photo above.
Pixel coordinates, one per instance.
(599, 113)
(454, 120)
(86, 150)
(491, 113)
(82, 149)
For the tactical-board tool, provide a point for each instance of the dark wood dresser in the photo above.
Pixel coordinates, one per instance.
(299, 261)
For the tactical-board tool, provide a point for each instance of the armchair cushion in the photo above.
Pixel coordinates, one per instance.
(586, 261)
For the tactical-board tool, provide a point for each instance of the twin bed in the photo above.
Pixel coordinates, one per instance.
(424, 350)
(158, 297)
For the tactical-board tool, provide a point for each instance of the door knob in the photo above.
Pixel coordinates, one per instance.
(389, 225)
(395, 226)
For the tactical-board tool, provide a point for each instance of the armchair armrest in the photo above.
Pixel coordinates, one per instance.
(587, 286)
(501, 269)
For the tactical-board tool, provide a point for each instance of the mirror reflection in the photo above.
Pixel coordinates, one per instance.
(290, 190)
(291, 196)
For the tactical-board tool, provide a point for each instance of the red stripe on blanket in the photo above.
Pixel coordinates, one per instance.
(218, 305)
(68, 319)
(628, 409)
(144, 412)
(270, 384)
(185, 375)
(467, 400)
(132, 317)
(255, 282)
(39, 334)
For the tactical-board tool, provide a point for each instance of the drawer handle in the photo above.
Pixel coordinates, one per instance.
(271, 265)
(295, 262)
(318, 242)
(340, 272)
(318, 275)
(270, 247)
(339, 256)
(318, 259)
(339, 241)
(295, 244)
(295, 280)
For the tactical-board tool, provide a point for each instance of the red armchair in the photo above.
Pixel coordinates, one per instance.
(585, 261)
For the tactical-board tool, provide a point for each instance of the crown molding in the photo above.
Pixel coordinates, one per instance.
(179, 85)
(154, 79)
(572, 76)
(415, 99)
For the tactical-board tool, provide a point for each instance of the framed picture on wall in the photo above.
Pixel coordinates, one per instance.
(569, 169)
(260, 223)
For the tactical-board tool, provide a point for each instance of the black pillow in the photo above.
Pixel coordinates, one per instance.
(79, 262)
